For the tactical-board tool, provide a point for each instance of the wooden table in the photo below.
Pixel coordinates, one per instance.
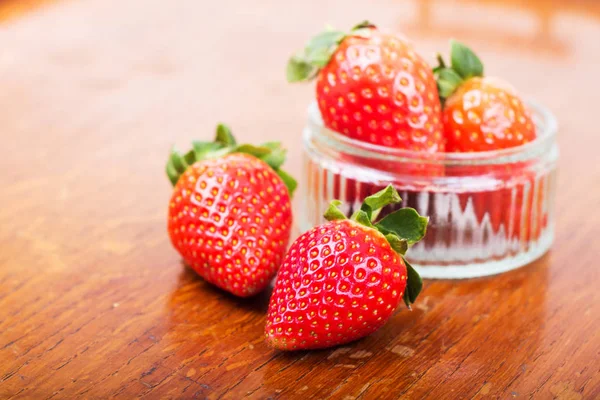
(94, 301)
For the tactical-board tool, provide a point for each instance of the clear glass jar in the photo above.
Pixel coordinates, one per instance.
(489, 212)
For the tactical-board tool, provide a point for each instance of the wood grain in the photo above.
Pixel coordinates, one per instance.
(94, 302)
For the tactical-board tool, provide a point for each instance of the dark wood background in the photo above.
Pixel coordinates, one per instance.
(94, 301)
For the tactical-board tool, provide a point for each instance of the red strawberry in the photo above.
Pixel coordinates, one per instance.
(230, 214)
(372, 87)
(344, 279)
(485, 114)
(480, 113)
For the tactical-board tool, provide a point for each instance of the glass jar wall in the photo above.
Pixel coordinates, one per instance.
(489, 211)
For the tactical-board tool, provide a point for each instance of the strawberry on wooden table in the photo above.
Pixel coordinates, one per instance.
(373, 87)
(343, 280)
(230, 215)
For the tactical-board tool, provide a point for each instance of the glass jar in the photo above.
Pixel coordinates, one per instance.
(489, 212)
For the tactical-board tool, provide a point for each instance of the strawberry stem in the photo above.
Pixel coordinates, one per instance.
(271, 153)
(440, 60)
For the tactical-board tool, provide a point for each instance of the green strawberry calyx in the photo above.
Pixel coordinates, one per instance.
(271, 152)
(402, 228)
(464, 64)
(305, 65)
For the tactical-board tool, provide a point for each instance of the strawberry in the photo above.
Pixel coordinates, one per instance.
(485, 114)
(230, 214)
(480, 113)
(373, 87)
(343, 280)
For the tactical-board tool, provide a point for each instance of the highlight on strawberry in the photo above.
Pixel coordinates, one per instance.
(230, 214)
(372, 86)
(480, 113)
(343, 280)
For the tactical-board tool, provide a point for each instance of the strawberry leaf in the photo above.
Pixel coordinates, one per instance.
(177, 161)
(203, 150)
(464, 64)
(190, 157)
(406, 223)
(272, 145)
(256, 151)
(275, 158)
(271, 152)
(400, 246)
(317, 53)
(333, 213)
(377, 201)
(464, 61)
(288, 181)
(319, 49)
(176, 165)
(224, 136)
(414, 284)
(447, 81)
(362, 218)
(298, 69)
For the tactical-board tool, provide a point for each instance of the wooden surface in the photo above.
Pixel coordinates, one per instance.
(94, 301)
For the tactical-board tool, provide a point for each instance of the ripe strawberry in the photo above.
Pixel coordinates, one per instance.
(230, 214)
(372, 87)
(344, 279)
(484, 114)
(480, 113)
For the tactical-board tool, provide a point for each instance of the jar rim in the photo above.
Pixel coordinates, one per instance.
(545, 122)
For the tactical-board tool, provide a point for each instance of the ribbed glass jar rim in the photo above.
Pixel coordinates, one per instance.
(544, 120)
